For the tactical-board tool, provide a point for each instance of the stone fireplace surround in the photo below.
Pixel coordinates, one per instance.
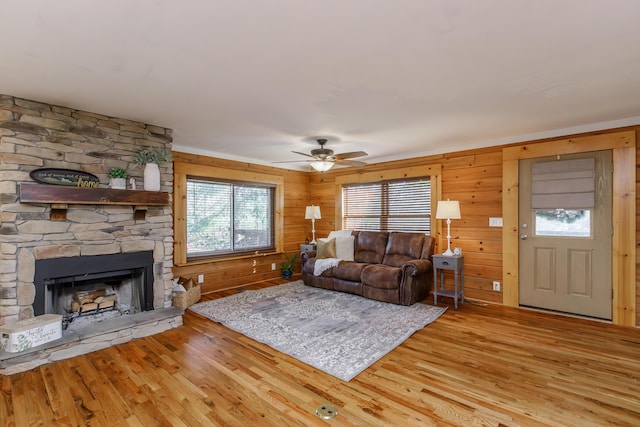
(35, 135)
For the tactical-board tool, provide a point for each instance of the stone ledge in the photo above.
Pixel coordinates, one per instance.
(94, 337)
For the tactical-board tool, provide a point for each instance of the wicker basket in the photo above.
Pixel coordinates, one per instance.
(186, 299)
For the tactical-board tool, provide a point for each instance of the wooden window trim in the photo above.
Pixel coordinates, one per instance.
(434, 171)
(181, 170)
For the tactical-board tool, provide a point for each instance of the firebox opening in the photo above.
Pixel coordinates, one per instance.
(94, 288)
(108, 294)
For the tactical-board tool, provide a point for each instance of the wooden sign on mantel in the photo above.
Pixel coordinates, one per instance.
(68, 177)
(61, 196)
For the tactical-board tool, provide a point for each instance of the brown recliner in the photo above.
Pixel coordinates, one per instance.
(393, 267)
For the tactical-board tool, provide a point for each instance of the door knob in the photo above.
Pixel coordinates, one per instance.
(524, 236)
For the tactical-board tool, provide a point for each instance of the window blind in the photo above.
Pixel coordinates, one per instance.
(394, 205)
(229, 217)
(563, 184)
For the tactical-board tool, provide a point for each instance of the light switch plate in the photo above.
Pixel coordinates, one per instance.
(495, 222)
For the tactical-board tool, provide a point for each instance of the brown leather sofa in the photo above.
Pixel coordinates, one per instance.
(392, 267)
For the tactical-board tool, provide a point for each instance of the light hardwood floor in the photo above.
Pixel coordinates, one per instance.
(477, 366)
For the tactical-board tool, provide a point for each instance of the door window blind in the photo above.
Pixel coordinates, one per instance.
(563, 184)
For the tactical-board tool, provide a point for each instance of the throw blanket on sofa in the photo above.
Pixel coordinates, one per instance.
(323, 264)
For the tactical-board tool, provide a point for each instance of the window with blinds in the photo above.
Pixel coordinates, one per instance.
(563, 194)
(228, 217)
(395, 205)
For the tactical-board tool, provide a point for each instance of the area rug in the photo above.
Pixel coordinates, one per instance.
(338, 333)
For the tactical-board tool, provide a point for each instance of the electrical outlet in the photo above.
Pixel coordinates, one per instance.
(496, 285)
(200, 278)
(273, 266)
(495, 222)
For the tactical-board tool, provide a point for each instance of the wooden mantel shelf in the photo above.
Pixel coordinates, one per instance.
(60, 197)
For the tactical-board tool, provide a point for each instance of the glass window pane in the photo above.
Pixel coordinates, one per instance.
(208, 217)
(252, 214)
(563, 222)
(229, 217)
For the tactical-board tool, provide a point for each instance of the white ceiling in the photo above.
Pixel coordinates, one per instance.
(249, 80)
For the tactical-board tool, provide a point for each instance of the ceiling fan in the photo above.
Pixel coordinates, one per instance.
(323, 159)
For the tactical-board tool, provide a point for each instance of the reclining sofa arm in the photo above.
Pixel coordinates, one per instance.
(417, 279)
(306, 255)
(416, 267)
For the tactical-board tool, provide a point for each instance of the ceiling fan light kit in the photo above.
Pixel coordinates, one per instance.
(322, 165)
(324, 159)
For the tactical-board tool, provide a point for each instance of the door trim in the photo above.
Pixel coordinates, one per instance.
(623, 262)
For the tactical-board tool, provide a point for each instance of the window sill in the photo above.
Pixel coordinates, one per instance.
(226, 259)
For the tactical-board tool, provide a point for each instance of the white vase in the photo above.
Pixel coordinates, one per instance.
(152, 177)
(118, 183)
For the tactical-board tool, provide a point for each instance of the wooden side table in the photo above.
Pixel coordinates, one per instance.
(456, 264)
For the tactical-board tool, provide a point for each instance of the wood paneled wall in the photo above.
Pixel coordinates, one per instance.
(239, 271)
(473, 177)
(637, 236)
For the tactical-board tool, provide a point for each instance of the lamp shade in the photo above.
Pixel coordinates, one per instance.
(312, 212)
(448, 209)
(322, 165)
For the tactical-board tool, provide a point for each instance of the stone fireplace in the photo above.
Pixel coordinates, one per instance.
(38, 135)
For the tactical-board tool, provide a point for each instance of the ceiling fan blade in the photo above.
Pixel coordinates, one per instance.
(294, 161)
(303, 154)
(350, 155)
(355, 163)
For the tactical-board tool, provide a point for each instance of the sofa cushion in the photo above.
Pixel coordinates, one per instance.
(403, 247)
(349, 270)
(381, 276)
(310, 267)
(345, 247)
(370, 246)
(326, 248)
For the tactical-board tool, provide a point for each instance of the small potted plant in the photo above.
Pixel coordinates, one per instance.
(150, 158)
(118, 178)
(286, 266)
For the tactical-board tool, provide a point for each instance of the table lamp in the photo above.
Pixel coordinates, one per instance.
(448, 209)
(313, 213)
